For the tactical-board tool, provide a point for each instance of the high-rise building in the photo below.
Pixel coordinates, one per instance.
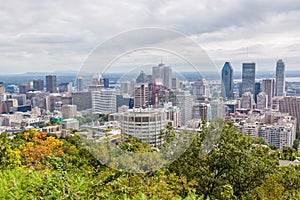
(248, 78)
(280, 78)
(51, 84)
(227, 80)
(2, 88)
(23, 88)
(38, 85)
(175, 83)
(247, 100)
(165, 73)
(79, 84)
(141, 95)
(262, 101)
(257, 90)
(157, 87)
(104, 101)
(201, 88)
(291, 105)
(268, 86)
(185, 103)
(83, 100)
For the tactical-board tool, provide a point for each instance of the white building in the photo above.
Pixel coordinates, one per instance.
(104, 101)
(144, 124)
(185, 103)
(262, 101)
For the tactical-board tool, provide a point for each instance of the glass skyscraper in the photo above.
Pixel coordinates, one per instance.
(280, 78)
(248, 78)
(227, 80)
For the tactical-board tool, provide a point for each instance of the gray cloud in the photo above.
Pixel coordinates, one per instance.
(51, 35)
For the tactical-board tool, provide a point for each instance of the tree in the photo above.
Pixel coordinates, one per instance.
(38, 148)
(235, 161)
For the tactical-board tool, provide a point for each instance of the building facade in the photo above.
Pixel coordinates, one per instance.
(248, 78)
(227, 80)
(280, 78)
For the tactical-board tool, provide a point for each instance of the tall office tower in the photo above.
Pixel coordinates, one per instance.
(227, 81)
(262, 101)
(2, 88)
(280, 78)
(165, 73)
(175, 83)
(268, 86)
(248, 78)
(185, 103)
(291, 105)
(247, 100)
(38, 85)
(104, 101)
(51, 84)
(141, 95)
(79, 84)
(257, 90)
(201, 88)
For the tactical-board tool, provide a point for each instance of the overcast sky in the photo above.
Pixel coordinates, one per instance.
(58, 35)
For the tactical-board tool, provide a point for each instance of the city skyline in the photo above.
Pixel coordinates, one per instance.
(226, 31)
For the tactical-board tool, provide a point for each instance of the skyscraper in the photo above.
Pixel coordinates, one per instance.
(141, 95)
(185, 103)
(248, 78)
(257, 90)
(51, 84)
(104, 101)
(38, 84)
(79, 84)
(227, 80)
(291, 105)
(280, 78)
(268, 86)
(165, 73)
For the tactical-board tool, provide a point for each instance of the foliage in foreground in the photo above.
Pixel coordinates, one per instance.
(37, 166)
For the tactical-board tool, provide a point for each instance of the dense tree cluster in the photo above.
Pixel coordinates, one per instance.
(34, 165)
